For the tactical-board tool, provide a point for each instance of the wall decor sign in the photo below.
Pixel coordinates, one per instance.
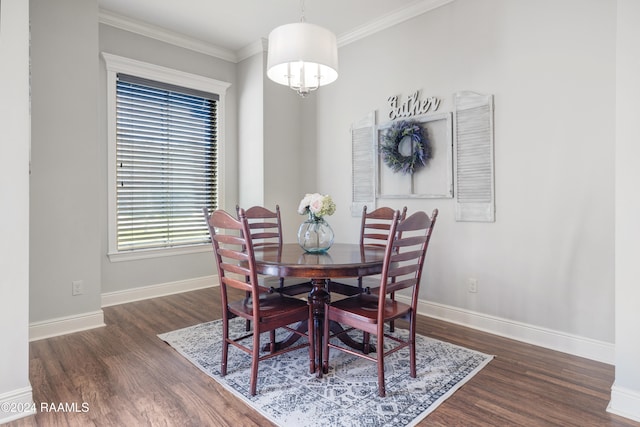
(469, 133)
(413, 106)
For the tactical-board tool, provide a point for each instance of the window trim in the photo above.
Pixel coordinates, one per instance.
(118, 64)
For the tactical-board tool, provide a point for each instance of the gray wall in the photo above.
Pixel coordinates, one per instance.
(251, 133)
(65, 240)
(548, 260)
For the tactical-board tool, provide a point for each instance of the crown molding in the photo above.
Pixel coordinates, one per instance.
(259, 46)
(148, 30)
(390, 20)
(128, 24)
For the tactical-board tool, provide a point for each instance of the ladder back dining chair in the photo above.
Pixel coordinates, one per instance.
(266, 231)
(267, 310)
(374, 231)
(404, 259)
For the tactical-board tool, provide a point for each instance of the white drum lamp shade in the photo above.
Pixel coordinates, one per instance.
(302, 56)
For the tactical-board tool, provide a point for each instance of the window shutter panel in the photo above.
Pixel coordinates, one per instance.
(363, 158)
(475, 199)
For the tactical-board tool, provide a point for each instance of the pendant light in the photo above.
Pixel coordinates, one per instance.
(302, 56)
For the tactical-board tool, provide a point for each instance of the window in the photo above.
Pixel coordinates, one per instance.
(165, 145)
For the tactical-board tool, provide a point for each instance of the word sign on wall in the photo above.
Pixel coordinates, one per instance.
(413, 106)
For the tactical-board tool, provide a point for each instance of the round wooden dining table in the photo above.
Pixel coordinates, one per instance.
(323, 270)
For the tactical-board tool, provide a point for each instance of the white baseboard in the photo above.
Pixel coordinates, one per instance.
(65, 325)
(81, 322)
(153, 291)
(16, 404)
(555, 340)
(547, 338)
(624, 402)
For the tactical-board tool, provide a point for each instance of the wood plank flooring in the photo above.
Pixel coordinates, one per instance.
(125, 376)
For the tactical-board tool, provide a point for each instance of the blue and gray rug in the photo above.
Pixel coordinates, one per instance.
(288, 395)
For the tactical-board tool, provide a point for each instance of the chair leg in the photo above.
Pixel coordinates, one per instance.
(225, 346)
(380, 350)
(392, 323)
(412, 346)
(247, 325)
(272, 341)
(366, 348)
(254, 362)
(312, 342)
(325, 343)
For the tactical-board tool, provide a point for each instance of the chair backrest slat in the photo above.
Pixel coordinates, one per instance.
(229, 239)
(263, 224)
(409, 241)
(379, 236)
(233, 268)
(405, 268)
(378, 225)
(401, 284)
(404, 256)
(263, 235)
(235, 283)
(230, 253)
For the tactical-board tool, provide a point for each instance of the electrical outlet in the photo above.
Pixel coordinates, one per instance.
(77, 287)
(473, 285)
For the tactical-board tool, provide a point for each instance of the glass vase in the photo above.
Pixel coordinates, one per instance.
(315, 235)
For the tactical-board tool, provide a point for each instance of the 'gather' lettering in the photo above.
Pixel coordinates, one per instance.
(412, 106)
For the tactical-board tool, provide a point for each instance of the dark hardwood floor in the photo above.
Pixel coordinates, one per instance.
(123, 375)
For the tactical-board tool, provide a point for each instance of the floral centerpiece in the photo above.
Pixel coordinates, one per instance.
(316, 205)
(315, 234)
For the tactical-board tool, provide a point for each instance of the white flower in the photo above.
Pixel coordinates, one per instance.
(317, 204)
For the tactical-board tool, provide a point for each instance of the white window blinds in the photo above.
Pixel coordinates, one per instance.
(166, 169)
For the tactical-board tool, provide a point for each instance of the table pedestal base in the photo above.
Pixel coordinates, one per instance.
(317, 299)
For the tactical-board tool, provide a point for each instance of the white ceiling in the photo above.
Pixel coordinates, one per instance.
(235, 24)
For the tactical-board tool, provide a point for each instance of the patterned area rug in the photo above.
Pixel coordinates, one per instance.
(348, 395)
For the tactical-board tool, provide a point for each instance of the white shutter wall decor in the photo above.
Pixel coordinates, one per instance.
(474, 160)
(363, 164)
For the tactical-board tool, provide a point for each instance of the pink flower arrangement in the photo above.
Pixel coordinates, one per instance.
(316, 204)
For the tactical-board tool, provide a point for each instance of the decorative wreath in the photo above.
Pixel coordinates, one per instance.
(390, 147)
